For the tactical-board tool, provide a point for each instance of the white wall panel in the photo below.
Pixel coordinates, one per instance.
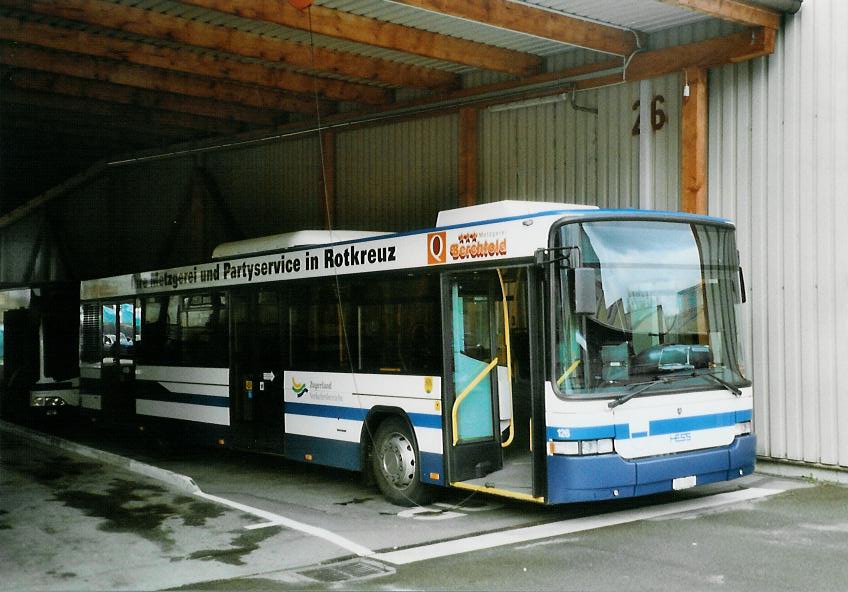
(778, 166)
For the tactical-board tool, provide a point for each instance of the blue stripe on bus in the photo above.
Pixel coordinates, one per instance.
(207, 400)
(690, 424)
(656, 428)
(419, 420)
(745, 415)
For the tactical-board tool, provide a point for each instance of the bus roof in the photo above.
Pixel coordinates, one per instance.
(500, 210)
(289, 240)
(499, 231)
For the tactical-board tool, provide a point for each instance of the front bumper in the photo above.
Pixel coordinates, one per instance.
(608, 476)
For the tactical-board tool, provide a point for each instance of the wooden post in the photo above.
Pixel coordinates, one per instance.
(693, 145)
(467, 157)
(328, 176)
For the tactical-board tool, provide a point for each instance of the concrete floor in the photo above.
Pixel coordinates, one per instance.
(68, 522)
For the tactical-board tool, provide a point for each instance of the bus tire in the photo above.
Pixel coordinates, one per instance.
(395, 464)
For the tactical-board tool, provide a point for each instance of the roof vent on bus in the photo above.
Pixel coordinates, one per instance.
(503, 209)
(289, 240)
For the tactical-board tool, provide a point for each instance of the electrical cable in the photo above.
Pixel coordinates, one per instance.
(328, 213)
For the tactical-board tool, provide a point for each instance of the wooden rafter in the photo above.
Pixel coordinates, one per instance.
(108, 111)
(737, 47)
(187, 61)
(733, 10)
(360, 29)
(152, 79)
(50, 121)
(227, 40)
(547, 24)
(744, 45)
(112, 93)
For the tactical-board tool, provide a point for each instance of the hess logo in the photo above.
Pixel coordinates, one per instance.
(436, 251)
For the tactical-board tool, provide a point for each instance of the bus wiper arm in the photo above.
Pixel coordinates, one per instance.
(640, 388)
(732, 388)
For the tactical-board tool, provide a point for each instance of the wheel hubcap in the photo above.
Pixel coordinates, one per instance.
(397, 461)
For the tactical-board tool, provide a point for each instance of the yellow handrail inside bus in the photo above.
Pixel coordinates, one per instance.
(465, 392)
(508, 364)
(568, 372)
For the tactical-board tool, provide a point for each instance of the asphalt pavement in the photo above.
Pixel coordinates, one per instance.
(74, 518)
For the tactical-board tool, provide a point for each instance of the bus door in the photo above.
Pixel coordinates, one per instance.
(118, 331)
(256, 381)
(471, 381)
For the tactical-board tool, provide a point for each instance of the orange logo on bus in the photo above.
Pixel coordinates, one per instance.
(436, 251)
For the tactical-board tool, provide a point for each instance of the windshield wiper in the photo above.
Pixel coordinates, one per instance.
(731, 387)
(640, 387)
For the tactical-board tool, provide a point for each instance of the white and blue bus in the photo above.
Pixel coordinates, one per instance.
(543, 352)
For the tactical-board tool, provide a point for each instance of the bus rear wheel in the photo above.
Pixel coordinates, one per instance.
(396, 466)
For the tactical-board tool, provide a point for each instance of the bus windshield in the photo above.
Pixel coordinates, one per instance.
(659, 305)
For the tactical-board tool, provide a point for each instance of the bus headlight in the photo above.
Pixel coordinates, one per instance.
(582, 447)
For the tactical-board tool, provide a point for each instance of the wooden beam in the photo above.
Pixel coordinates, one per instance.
(694, 144)
(228, 40)
(87, 148)
(75, 182)
(190, 62)
(360, 29)
(740, 46)
(524, 18)
(152, 79)
(467, 157)
(124, 95)
(733, 10)
(91, 124)
(734, 48)
(125, 114)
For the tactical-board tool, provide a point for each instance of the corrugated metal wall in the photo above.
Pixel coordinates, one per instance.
(272, 188)
(552, 152)
(778, 148)
(396, 176)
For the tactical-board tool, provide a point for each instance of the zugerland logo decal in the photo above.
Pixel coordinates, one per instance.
(436, 251)
(298, 389)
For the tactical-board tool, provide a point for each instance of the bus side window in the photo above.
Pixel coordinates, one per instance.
(152, 325)
(318, 340)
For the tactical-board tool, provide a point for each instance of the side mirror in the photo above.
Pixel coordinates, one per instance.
(585, 292)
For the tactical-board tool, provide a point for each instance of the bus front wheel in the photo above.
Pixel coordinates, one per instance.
(395, 464)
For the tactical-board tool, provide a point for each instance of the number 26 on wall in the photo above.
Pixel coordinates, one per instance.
(658, 116)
